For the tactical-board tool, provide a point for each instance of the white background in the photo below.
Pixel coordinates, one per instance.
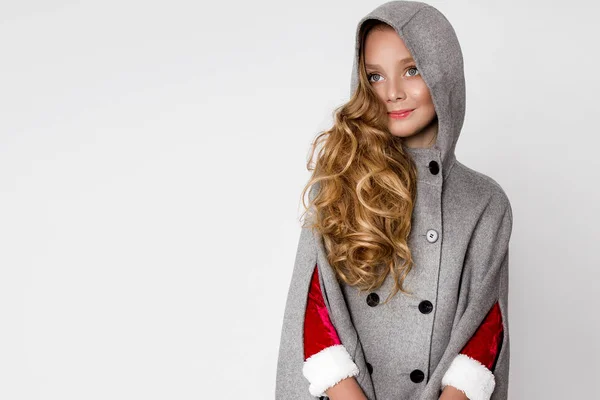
(152, 157)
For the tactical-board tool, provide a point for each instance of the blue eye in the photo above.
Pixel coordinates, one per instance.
(415, 68)
(409, 74)
(370, 75)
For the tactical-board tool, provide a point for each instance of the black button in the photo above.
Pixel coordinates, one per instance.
(417, 376)
(425, 307)
(370, 368)
(373, 299)
(434, 167)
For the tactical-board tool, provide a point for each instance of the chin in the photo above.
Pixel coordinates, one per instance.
(401, 132)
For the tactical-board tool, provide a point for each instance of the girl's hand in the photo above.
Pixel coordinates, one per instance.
(452, 393)
(346, 389)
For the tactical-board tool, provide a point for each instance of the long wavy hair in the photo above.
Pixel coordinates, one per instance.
(366, 190)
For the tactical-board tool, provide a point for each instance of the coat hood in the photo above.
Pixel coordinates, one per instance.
(431, 40)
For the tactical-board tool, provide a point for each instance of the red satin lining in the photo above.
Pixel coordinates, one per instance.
(485, 344)
(319, 332)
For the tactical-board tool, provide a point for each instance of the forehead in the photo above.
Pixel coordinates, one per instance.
(385, 46)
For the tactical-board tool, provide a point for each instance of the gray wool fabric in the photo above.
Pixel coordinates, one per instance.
(462, 273)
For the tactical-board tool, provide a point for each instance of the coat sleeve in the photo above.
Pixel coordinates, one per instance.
(291, 384)
(486, 282)
(471, 370)
(326, 360)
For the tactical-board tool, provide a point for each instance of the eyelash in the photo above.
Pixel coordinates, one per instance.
(409, 68)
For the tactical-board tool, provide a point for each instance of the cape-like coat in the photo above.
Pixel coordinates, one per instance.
(461, 228)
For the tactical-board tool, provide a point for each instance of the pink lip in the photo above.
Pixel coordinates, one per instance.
(400, 115)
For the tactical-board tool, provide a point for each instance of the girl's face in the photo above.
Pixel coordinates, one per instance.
(393, 75)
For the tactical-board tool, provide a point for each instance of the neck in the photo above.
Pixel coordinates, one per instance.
(425, 138)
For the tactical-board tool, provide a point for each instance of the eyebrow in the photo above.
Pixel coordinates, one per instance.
(403, 61)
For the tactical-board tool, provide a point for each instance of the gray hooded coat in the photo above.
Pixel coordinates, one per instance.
(461, 227)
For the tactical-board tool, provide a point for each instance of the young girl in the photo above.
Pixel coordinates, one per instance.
(400, 283)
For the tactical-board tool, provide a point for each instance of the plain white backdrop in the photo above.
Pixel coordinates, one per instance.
(152, 157)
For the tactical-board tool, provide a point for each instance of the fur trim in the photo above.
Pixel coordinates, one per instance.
(328, 367)
(471, 377)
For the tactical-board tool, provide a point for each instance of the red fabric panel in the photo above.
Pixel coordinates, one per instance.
(485, 344)
(319, 332)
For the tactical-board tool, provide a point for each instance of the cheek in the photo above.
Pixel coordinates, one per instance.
(380, 90)
(420, 94)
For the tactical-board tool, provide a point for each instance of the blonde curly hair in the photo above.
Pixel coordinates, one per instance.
(366, 190)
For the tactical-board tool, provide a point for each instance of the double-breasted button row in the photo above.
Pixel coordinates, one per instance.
(425, 306)
(416, 376)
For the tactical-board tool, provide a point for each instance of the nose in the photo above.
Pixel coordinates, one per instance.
(395, 90)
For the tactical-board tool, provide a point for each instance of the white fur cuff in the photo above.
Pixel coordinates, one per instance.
(328, 367)
(470, 376)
